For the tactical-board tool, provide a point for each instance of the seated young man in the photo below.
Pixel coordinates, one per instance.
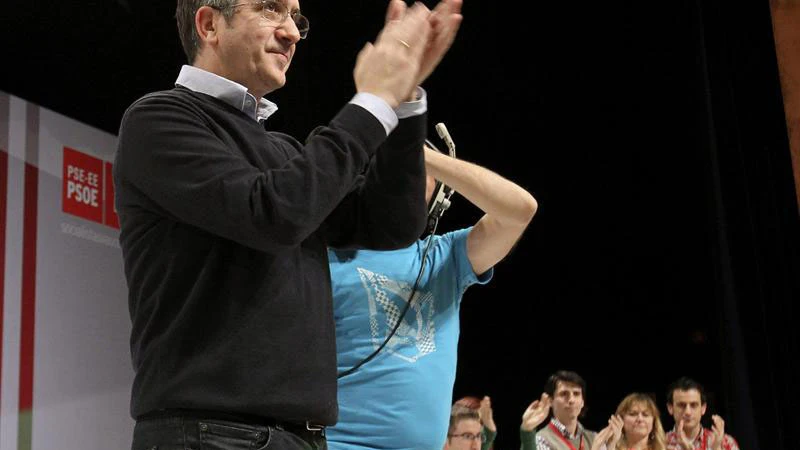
(565, 393)
(686, 403)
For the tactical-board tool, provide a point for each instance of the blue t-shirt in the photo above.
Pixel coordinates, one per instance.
(400, 399)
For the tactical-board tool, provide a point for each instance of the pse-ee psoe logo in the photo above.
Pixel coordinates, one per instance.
(88, 189)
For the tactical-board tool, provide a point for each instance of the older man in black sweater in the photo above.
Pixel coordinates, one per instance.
(224, 226)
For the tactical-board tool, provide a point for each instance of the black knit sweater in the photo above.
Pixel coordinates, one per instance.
(224, 228)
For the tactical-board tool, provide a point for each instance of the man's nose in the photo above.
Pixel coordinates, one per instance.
(289, 30)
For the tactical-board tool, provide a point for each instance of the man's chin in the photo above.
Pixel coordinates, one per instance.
(569, 417)
(279, 81)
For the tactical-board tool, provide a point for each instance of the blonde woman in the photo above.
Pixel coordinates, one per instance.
(641, 429)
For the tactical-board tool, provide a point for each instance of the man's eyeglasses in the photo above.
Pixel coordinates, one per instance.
(278, 12)
(469, 436)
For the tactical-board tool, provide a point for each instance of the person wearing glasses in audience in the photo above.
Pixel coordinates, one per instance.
(225, 226)
(464, 431)
(487, 420)
(565, 395)
(404, 304)
(486, 414)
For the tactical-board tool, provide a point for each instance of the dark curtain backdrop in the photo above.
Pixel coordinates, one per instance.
(757, 225)
(712, 273)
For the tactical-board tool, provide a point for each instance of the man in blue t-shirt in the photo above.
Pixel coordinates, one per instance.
(400, 397)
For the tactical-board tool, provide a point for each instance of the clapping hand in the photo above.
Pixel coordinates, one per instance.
(685, 442)
(444, 21)
(389, 67)
(536, 413)
(718, 430)
(610, 435)
(485, 412)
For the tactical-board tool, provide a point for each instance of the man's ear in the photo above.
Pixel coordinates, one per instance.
(205, 23)
(703, 409)
(669, 408)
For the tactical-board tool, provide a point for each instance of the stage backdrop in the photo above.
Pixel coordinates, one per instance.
(65, 371)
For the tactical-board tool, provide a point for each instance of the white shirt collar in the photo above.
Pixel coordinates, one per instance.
(228, 91)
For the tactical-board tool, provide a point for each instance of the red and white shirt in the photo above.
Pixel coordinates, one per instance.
(703, 441)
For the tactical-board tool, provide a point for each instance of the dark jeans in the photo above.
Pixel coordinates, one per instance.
(191, 433)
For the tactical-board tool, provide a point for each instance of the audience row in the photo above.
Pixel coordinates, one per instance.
(635, 425)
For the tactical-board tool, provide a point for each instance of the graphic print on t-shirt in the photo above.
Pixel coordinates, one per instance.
(387, 298)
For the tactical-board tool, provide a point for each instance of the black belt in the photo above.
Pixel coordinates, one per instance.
(299, 428)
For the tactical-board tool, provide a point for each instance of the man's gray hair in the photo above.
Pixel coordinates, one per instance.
(185, 12)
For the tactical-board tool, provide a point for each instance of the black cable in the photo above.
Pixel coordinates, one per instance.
(405, 310)
(436, 214)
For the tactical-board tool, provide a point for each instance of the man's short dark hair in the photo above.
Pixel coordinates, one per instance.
(686, 384)
(185, 12)
(564, 376)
